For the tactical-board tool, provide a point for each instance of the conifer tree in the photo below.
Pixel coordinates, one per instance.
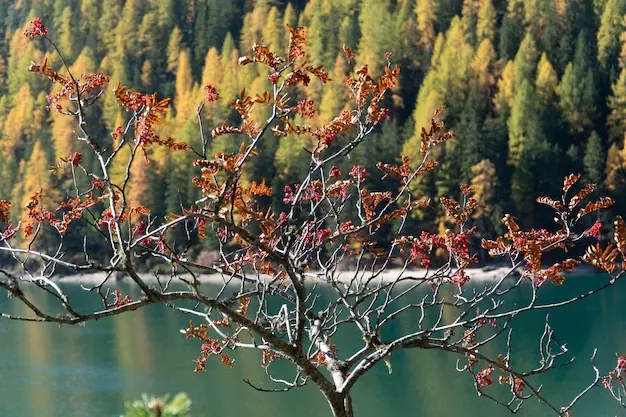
(131, 15)
(330, 105)
(525, 60)
(168, 13)
(290, 17)
(201, 35)
(546, 81)
(376, 39)
(484, 182)
(66, 35)
(446, 178)
(453, 69)
(577, 89)
(495, 143)
(37, 177)
(622, 54)
(273, 31)
(529, 151)
(16, 77)
(291, 160)
(107, 22)
(428, 100)
(349, 31)
(552, 25)
(469, 13)
(608, 34)
(111, 112)
(404, 30)
(470, 150)
(152, 41)
(179, 190)
(503, 99)
(594, 160)
(89, 13)
(17, 187)
(482, 67)
(254, 21)
(18, 127)
(58, 9)
(523, 181)
(8, 175)
(575, 100)
(174, 48)
(511, 30)
(486, 24)
(141, 184)
(524, 127)
(598, 8)
(63, 135)
(230, 69)
(616, 120)
(212, 70)
(426, 14)
(223, 18)
(228, 47)
(146, 75)
(615, 171)
(184, 87)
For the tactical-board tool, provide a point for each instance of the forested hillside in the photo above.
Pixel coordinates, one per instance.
(534, 89)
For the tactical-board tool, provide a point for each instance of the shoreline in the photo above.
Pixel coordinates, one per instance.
(475, 274)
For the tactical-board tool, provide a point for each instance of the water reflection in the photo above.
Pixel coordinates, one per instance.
(91, 371)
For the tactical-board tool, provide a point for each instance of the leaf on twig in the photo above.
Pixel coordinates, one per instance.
(601, 259)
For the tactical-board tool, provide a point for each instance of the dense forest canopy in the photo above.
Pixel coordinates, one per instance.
(534, 89)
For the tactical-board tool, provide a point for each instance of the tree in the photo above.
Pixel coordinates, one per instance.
(426, 14)
(66, 35)
(447, 79)
(511, 30)
(524, 128)
(546, 81)
(575, 100)
(89, 11)
(485, 27)
(272, 31)
(184, 87)
(615, 170)
(525, 60)
(484, 183)
(428, 100)
(616, 120)
(470, 151)
(290, 257)
(174, 48)
(594, 160)
(482, 67)
(375, 39)
(577, 93)
(212, 72)
(609, 32)
(469, 14)
(111, 12)
(38, 178)
(503, 99)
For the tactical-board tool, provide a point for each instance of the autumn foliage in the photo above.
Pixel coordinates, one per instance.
(329, 218)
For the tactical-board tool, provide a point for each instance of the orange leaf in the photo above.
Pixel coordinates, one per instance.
(4, 211)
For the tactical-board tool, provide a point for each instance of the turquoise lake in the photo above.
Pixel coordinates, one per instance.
(90, 371)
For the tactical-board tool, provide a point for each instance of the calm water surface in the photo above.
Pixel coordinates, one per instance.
(90, 371)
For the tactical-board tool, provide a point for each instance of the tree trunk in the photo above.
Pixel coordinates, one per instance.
(341, 406)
